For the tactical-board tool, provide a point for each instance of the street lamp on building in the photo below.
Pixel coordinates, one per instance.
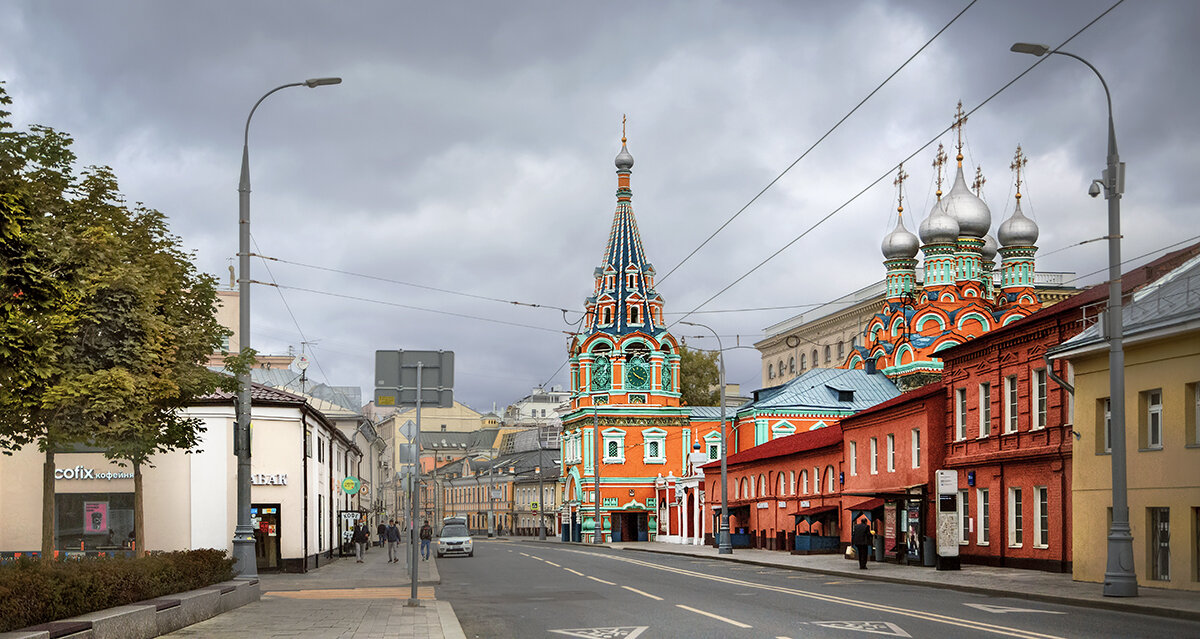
(724, 547)
(1120, 580)
(245, 564)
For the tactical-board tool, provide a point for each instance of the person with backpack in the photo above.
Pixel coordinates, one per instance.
(426, 537)
(392, 535)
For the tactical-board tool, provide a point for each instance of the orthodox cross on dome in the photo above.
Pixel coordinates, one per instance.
(960, 119)
(977, 185)
(623, 128)
(938, 162)
(1019, 163)
(901, 176)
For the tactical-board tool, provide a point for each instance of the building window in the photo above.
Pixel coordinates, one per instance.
(612, 449)
(1151, 426)
(985, 409)
(982, 515)
(960, 414)
(1016, 527)
(1103, 426)
(792, 481)
(830, 480)
(1043, 516)
(841, 350)
(964, 518)
(828, 355)
(816, 480)
(1010, 404)
(1039, 398)
(815, 359)
(770, 371)
(714, 451)
(916, 448)
(853, 459)
(1191, 421)
(874, 457)
(891, 453)
(803, 362)
(804, 481)
(308, 443)
(781, 487)
(791, 364)
(320, 450)
(1160, 543)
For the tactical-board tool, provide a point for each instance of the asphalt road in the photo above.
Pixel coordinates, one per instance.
(514, 589)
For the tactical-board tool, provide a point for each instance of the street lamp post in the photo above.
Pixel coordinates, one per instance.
(245, 565)
(724, 547)
(541, 493)
(1120, 580)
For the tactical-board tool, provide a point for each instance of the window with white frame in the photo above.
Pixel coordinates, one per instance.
(804, 481)
(1042, 516)
(816, 480)
(830, 480)
(964, 518)
(983, 516)
(781, 486)
(1016, 520)
(654, 442)
(1152, 427)
(782, 429)
(891, 453)
(960, 413)
(853, 459)
(1104, 425)
(985, 409)
(614, 446)
(916, 448)
(874, 453)
(712, 443)
(1010, 404)
(1038, 402)
(792, 481)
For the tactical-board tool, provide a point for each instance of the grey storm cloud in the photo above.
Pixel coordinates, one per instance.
(470, 149)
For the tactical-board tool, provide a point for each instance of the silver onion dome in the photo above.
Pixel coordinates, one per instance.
(1018, 230)
(624, 160)
(938, 227)
(900, 243)
(973, 216)
(990, 246)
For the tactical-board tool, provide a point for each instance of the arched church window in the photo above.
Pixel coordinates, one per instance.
(653, 447)
(815, 360)
(803, 362)
(633, 315)
(612, 449)
(770, 371)
(828, 354)
(841, 350)
(791, 364)
(607, 315)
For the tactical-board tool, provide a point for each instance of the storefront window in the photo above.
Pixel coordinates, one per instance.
(98, 521)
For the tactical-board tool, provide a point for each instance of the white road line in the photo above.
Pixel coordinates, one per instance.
(553, 564)
(524, 554)
(574, 571)
(644, 594)
(601, 580)
(717, 617)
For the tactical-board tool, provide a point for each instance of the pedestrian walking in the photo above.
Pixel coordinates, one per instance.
(392, 535)
(426, 537)
(362, 537)
(861, 538)
(381, 531)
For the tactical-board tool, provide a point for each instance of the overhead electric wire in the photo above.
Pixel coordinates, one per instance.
(814, 144)
(893, 167)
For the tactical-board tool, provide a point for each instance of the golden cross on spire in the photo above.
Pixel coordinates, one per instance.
(622, 128)
(1019, 163)
(979, 180)
(938, 161)
(960, 119)
(901, 176)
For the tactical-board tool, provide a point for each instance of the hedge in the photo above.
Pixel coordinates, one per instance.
(34, 591)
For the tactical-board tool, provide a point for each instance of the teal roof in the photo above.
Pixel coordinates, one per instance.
(822, 388)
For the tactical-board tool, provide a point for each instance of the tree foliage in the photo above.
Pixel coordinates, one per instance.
(106, 322)
(699, 380)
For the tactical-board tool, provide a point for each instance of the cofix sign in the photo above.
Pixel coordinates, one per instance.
(79, 472)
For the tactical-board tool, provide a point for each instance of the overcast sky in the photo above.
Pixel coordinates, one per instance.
(470, 148)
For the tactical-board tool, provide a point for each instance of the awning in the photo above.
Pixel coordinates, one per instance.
(891, 493)
(814, 511)
(870, 504)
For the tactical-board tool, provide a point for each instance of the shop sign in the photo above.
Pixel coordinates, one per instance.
(79, 472)
(763, 504)
(804, 504)
(350, 485)
(265, 479)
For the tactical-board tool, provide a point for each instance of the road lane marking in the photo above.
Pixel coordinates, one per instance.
(916, 614)
(601, 580)
(873, 627)
(552, 563)
(525, 554)
(717, 617)
(644, 594)
(1004, 609)
(575, 571)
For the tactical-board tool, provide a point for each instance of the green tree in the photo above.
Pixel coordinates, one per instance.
(116, 319)
(698, 377)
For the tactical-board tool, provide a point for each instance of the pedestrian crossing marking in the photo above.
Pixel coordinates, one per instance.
(626, 632)
(871, 627)
(423, 592)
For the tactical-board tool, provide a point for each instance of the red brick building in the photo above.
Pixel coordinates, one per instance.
(889, 455)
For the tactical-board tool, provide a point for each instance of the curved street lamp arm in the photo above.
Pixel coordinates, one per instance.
(1112, 136)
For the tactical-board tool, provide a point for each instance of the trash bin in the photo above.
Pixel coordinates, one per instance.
(928, 552)
(878, 547)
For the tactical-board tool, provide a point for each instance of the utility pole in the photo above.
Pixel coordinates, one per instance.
(597, 529)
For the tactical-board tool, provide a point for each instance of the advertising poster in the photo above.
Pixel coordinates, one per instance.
(889, 528)
(95, 516)
(914, 530)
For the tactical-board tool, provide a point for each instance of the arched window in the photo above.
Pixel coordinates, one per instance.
(770, 371)
(781, 488)
(803, 362)
(804, 481)
(815, 359)
(791, 364)
(828, 354)
(816, 480)
(762, 485)
(607, 315)
(654, 448)
(841, 350)
(781, 368)
(612, 449)
(633, 315)
(792, 481)
(830, 480)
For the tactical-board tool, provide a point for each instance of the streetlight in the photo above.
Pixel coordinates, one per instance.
(1119, 577)
(541, 492)
(724, 547)
(245, 564)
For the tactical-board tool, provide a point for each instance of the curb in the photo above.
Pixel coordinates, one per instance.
(451, 629)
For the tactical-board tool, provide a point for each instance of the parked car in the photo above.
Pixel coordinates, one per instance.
(455, 539)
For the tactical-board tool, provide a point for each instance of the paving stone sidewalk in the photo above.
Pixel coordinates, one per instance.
(342, 599)
(1008, 582)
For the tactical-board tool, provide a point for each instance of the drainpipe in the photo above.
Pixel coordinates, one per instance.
(304, 495)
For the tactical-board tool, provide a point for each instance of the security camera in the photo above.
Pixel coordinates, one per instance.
(1095, 188)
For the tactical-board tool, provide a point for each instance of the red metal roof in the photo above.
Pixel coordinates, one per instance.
(800, 442)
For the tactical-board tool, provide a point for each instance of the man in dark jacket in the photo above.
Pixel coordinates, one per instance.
(861, 538)
(426, 537)
(381, 531)
(362, 537)
(392, 534)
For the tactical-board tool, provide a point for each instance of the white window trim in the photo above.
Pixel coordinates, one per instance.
(874, 456)
(891, 452)
(1015, 510)
(964, 518)
(960, 414)
(654, 435)
(1037, 385)
(916, 447)
(1038, 541)
(1153, 410)
(613, 435)
(782, 429)
(985, 410)
(1011, 424)
(854, 459)
(982, 516)
(804, 480)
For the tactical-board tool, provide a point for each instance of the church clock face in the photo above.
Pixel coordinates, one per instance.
(638, 377)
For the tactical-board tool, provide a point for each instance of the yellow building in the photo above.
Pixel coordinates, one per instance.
(1162, 436)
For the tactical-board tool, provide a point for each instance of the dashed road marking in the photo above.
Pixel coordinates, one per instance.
(642, 593)
(601, 580)
(553, 564)
(574, 571)
(717, 617)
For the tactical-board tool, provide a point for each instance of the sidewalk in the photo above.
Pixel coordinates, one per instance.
(342, 599)
(1003, 582)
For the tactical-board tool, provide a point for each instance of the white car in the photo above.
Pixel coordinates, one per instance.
(455, 539)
